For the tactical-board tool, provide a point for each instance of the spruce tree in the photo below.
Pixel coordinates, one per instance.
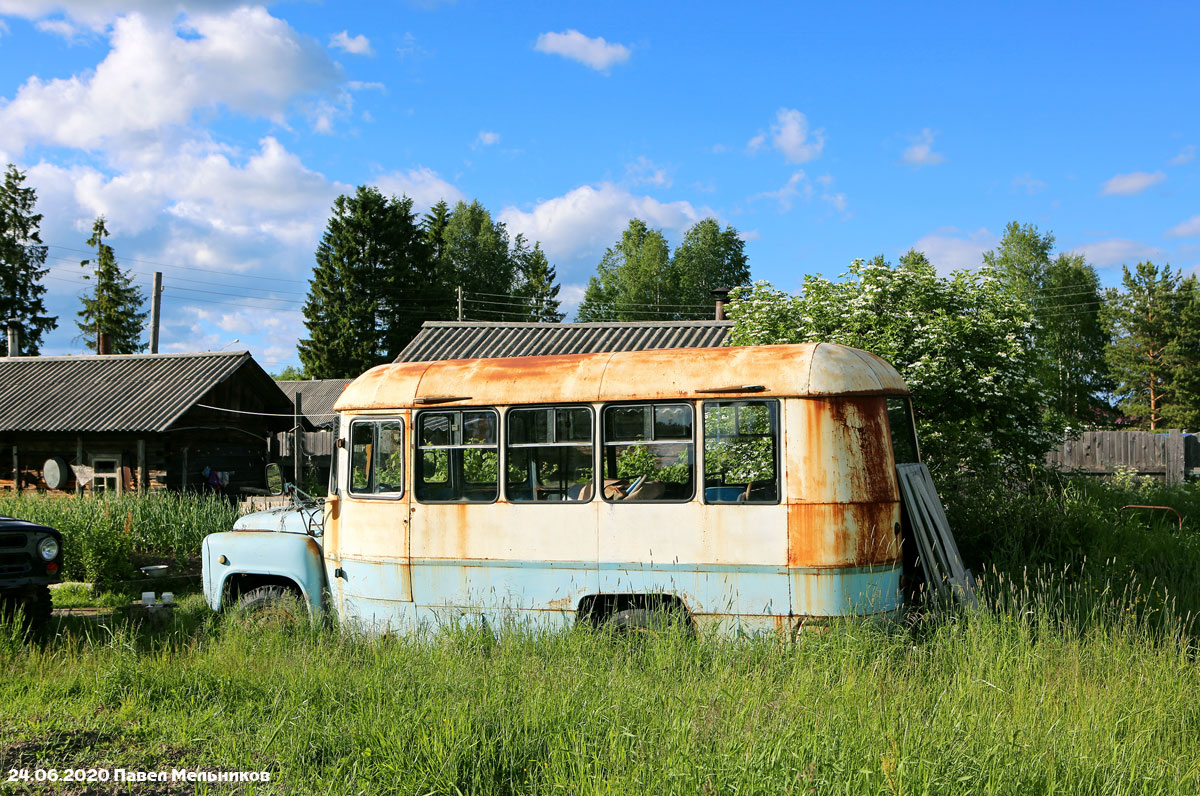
(22, 257)
(373, 284)
(115, 305)
(536, 282)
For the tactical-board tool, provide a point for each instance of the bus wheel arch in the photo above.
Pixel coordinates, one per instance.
(635, 612)
(252, 592)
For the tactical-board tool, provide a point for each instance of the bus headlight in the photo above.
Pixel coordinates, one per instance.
(48, 548)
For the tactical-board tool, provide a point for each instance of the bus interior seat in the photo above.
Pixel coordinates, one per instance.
(645, 490)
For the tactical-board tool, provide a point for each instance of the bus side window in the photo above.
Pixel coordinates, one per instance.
(377, 457)
(458, 456)
(649, 452)
(741, 452)
(549, 454)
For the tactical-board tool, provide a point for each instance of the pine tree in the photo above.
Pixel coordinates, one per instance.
(537, 282)
(22, 257)
(1152, 356)
(115, 306)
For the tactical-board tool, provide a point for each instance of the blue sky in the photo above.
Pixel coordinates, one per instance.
(215, 136)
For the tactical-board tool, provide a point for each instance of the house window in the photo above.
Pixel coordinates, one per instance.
(106, 474)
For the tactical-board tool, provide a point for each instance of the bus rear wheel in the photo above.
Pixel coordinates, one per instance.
(655, 621)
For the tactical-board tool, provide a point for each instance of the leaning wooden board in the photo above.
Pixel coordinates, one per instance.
(936, 548)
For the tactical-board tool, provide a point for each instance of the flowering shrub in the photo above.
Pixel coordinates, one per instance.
(962, 344)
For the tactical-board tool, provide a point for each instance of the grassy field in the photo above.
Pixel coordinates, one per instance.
(990, 702)
(1077, 674)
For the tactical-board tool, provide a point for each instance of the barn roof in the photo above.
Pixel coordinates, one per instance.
(810, 369)
(120, 392)
(478, 339)
(317, 397)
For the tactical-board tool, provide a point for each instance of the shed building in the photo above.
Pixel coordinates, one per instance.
(114, 423)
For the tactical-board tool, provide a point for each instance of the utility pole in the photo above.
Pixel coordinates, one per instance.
(460, 302)
(155, 307)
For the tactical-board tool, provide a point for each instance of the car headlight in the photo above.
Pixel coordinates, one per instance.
(48, 548)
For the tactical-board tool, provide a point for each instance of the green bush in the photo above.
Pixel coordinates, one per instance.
(103, 536)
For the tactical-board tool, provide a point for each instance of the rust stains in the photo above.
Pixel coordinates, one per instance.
(843, 534)
(784, 370)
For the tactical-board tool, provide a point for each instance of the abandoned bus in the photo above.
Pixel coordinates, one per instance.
(744, 488)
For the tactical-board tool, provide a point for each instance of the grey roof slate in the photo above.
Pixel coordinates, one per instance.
(120, 392)
(317, 397)
(439, 340)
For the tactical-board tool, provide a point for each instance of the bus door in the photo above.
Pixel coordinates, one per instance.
(371, 569)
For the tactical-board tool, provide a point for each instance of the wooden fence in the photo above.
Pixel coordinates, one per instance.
(1173, 456)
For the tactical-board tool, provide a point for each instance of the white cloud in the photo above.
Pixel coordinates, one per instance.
(920, 152)
(586, 220)
(570, 297)
(786, 196)
(1026, 182)
(423, 185)
(58, 27)
(1117, 251)
(1132, 184)
(153, 78)
(1186, 155)
(644, 171)
(951, 249)
(269, 196)
(98, 14)
(3, 27)
(596, 53)
(356, 45)
(1186, 229)
(789, 135)
(486, 138)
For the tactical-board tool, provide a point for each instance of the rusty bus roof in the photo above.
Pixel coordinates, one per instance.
(810, 369)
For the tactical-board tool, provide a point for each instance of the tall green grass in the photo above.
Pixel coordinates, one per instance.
(104, 537)
(1024, 530)
(984, 702)
(1075, 674)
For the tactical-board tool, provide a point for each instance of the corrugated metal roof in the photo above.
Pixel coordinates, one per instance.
(440, 340)
(317, 397)
(122, 392)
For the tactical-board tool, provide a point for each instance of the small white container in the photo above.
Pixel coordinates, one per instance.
(168, 598)
(148, 598)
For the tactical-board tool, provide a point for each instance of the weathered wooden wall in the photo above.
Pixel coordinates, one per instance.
(1172, 456)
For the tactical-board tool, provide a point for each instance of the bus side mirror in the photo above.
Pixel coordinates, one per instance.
(274, 479)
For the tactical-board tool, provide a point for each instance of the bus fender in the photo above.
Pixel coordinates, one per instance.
(263, 557)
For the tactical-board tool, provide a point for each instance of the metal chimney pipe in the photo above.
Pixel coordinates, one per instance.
(14, 337)
(721, 294)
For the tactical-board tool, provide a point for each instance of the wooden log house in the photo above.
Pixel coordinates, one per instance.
(114, 423)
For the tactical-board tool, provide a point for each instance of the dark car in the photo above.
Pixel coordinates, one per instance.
(30, 560)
